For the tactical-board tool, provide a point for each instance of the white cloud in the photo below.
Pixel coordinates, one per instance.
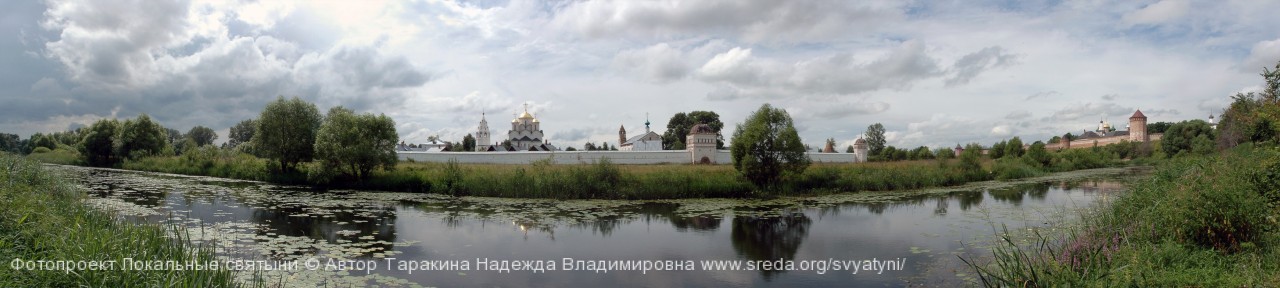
(969, 66)
(745, 76)
(1026, 69)
(1001, 131)
(751, 21)
(659, 63)
(1158, 13)
(1264, 54)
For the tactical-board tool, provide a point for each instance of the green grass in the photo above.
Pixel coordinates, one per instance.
(42, 217)
(63, 155)
(1206, 221)
(611, 181)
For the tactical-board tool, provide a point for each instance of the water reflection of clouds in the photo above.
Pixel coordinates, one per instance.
(450, 229)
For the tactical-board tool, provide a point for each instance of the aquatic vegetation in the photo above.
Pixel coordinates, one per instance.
(239, 219)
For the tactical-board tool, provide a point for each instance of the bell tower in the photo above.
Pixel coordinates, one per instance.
(622, 135)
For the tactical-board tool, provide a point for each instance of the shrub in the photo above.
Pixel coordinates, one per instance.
(1012, 168)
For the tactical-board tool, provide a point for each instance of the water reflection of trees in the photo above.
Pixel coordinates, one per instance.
(769, 238)
(969, 199)
(1015, 195)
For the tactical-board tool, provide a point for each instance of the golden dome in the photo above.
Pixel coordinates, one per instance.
(525, 115)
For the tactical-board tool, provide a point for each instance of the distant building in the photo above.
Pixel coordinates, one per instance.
(648, 141)
(482, 135)
(860, 150)
(526, 132)
(701, 142)
(1106, 135)
(1138, 127)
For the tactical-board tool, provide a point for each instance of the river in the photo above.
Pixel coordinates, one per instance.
(909, 238)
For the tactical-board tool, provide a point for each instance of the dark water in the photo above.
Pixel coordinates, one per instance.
(922, 234)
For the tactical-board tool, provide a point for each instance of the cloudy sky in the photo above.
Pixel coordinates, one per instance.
(933, 72)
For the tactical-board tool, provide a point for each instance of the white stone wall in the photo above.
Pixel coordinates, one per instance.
(587, 157)
(831, 157)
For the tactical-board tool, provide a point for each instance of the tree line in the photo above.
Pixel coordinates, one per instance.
(288, 132)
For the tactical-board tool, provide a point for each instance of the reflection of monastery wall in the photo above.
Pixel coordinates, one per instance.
(1089, 143)
(587, 157)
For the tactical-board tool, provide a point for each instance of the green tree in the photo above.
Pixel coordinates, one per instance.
(355, 145)
(890, 153)
(945, 153)
(241, 133)
(1055, 139)
(1014, 147)
(1180, 136)
(922, 153)
(971, 163)
(202, 135)
(1253, 117)
(589, 146)
(1038, 155)
(1158, 127)
(286, 132)
(678, 128)
(875, 139)
(468, 143)
(174, 136)
(766, 146)
(98, 144)
(998, 149)
(40, 140)
(140, 137)
(10, 143)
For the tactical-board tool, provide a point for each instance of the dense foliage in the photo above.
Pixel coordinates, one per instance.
(678, 128)
(1253, 116)
(1194, 136)
(202, 135)
(767, 145)
(354, 145)
(875, 139)
(241, 133)
(286, 132)
(1199, 221)
(141, 137)
(98, 145)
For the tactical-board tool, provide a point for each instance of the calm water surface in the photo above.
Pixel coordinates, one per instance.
(924, 232)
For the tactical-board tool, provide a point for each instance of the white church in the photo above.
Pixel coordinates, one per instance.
(525, 135)
(648, 141)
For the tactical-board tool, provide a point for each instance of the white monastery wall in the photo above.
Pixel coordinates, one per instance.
(587, 157)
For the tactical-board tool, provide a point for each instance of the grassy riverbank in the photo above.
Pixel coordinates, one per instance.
(43, 217)
(605, 180)
(1206, 221)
